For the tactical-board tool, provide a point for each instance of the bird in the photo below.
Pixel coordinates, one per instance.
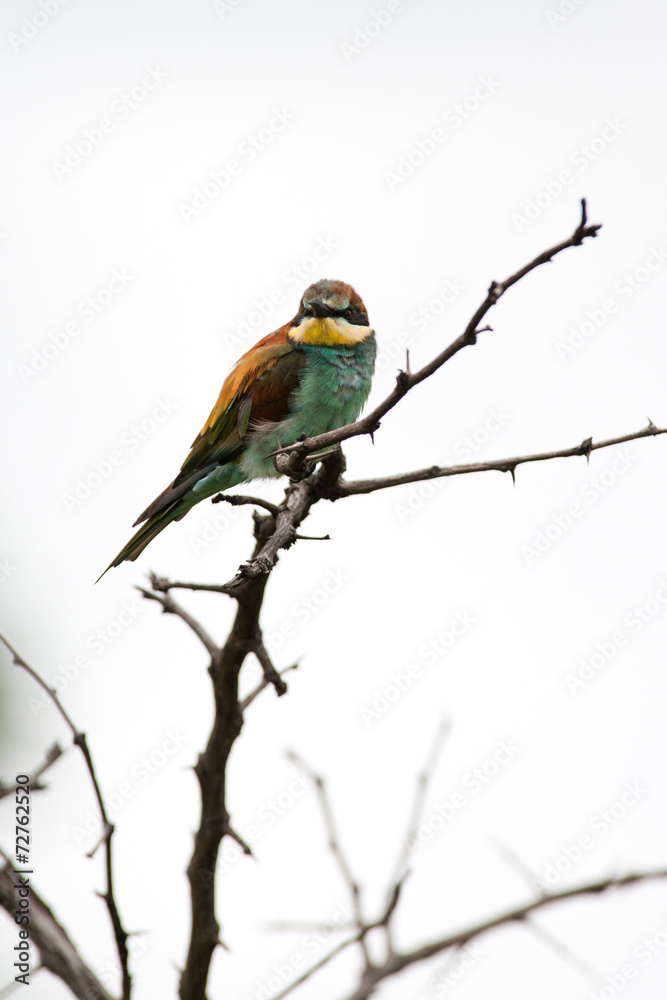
(310, 376)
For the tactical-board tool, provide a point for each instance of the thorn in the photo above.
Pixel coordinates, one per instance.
(407, 363)
(651, 425)
(512, 472)
(585, 448)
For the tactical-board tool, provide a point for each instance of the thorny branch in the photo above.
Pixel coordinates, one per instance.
(57, 951)
(407, 380)
(51, 756)
(373, 973)
(79, 739)
(275, 531)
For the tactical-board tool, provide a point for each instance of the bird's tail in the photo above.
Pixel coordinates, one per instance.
(146, 533)
(174, 503)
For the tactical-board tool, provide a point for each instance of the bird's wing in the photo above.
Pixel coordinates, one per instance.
(255, 391)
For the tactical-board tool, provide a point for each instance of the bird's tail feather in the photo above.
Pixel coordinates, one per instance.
(147, 532)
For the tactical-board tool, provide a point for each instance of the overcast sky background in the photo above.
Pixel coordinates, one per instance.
(533, 110)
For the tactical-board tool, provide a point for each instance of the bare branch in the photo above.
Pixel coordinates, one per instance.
(163, 585)
(400, 870)
(397, 962)
(264, 683)
(52, 755)
(211, 769)
(557, 946)
(79, 739)
(171, 607)
(337, 850)
(58, 954)
(587, 446)
(238, 500)
(406, 381)
(271, 675)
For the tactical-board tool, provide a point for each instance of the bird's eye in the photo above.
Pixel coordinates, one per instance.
(348, 313)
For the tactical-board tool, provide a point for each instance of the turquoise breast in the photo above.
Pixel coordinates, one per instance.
(333, 386)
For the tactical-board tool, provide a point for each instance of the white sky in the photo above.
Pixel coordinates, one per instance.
(581, 99)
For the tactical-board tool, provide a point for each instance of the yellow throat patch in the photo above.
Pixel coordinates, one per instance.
(328, 331)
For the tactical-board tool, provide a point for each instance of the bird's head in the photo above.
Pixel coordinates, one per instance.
(331, 313)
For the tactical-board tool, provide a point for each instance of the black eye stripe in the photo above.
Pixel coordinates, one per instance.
(351, 314)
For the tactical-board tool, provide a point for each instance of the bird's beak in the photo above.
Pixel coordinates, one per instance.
(320, 309)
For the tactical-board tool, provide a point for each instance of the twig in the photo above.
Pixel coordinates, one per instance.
(163, 585)
(79, 739)
(423, 781)
(52, 755)
(397, 962)
(171, 607)
(271, 675)
(57, 952)
(557, 946)
(407, 381)
(337, 850)
(264, 683)
(586, 447)
(238, 500)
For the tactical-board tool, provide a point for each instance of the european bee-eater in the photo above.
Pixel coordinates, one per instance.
(310, 376)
